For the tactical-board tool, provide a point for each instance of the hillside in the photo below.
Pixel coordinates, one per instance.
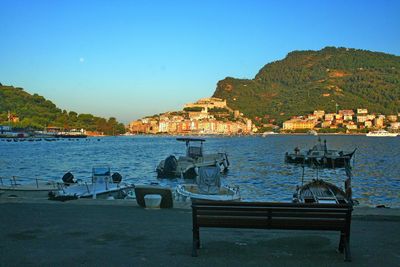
(36, 112)
(309, 80)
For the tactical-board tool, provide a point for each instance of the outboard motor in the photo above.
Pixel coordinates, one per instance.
(68, 178)
(116, 178)
(170, 165)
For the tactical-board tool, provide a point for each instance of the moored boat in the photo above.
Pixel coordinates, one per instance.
(381, 133)
(320, 156)
(103, 185)
(185, 166)
(322, 192)
(27, 188)
(265, 134)
(208, 187)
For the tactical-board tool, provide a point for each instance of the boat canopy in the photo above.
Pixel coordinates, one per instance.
(193, 151)
(209, 180)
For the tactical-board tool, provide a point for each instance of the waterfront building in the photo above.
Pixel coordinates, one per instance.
(347, 114)
(368, 124)
(209, 103)
(362, 118)
(339, 121)
(351, 125)
(378, 121)
(395, 125)
(298, 124)
(326, 124)
(362, 111)
(391, 118)
(319, 113)
(338, 116)
(329, 116)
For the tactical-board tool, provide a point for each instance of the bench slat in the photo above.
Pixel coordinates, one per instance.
(269, 213)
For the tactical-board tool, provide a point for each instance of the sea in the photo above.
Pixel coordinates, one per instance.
(257, 164)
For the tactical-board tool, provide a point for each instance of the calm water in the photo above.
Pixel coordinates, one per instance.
(257, 164)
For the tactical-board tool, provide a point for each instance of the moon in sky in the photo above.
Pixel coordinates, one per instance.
(81, 60)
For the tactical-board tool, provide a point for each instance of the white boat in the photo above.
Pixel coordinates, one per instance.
(208, 187)
(27, 188)
(312, 132)
(381, 133)
(103, 185)
(185, 166)
(265, 134)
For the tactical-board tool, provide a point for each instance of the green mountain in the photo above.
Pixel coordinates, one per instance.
(308, 80)
(36, 112)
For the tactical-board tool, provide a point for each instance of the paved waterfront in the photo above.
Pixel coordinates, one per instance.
(119, 233)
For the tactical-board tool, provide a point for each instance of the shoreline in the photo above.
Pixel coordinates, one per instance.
(358, 210)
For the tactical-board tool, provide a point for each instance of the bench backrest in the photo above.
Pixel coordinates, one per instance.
(271, 215)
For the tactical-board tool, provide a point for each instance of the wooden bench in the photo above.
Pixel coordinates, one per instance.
(269, 215)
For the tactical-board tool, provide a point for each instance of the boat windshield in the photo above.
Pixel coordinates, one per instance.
(101, 171)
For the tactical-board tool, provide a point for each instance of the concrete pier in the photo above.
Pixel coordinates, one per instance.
(119, 233)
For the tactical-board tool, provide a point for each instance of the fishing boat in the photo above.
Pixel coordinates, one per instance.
(103, 185)
(185, 166)
(322, 192)
(319, 155)
(381, 133)
(207, 187)
(27, 187)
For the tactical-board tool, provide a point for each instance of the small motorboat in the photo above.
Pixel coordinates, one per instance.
(27, 187)
(103, 185)
(185, 166)
(207, 187)
(320, 156)
(322, 192)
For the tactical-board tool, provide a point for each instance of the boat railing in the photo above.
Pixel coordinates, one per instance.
(235, 189)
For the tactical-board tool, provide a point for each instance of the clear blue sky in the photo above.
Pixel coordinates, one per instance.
(128, 59)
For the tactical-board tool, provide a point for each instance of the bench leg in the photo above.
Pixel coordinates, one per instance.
(341, 245)
(347, 254)
(196, 241)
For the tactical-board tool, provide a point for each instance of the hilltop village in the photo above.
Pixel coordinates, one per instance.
(206, 116)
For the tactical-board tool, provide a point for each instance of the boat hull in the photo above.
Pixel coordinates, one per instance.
(101, 191)
(322, 161)
(225, 193)
(33, 190)
(319, 191)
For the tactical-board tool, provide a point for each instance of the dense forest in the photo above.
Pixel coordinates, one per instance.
(329, 79)
(35, 112)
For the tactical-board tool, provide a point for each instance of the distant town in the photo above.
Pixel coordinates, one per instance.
(212, 116)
